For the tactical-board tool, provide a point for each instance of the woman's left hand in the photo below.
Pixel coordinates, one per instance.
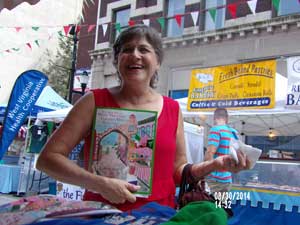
(228, 163)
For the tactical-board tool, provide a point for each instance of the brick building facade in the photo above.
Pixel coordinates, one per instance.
(225, 32)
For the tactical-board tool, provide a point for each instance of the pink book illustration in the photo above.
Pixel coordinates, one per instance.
(123, 146)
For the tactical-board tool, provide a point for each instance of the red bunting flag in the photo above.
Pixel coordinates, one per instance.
(18, 28)
(67, 29)
(78, 29)
(178, 19)
(29, 45)
(131, 23)
(91, 27)
(7, 50)
(232, 9)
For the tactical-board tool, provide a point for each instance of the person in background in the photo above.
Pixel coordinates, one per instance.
(137, 56)
(218, 146)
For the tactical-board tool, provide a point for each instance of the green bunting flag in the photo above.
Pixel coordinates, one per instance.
(35, 28)
(16, 49)
(276, 4)
(60, 33)
(161, 21)
(118, 27)
(37, 43)
(213, 13)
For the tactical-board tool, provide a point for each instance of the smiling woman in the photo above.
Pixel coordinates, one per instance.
(140, 45)
(137, 56)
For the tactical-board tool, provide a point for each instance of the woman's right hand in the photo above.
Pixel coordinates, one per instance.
(117, 191)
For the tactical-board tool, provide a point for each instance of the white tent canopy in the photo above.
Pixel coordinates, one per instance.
(54, 116)
(282, 121)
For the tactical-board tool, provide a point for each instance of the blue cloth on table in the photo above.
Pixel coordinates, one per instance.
(151, 213)
(249, 215)
(268, 197)
(9, 178)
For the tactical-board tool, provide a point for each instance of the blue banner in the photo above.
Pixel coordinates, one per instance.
(25, 93)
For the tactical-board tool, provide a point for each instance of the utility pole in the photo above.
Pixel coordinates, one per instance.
(73, 32)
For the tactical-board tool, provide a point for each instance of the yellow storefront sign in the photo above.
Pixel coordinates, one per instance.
(237, 86)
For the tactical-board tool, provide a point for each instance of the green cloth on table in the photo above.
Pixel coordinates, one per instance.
(199, 213)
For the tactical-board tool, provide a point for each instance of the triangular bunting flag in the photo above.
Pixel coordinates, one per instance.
(91, 27)
(37, 43)
(16, 49)
(78, 27)
(213, 13)
(232, 10)
(35, 28)
(195, 16)
(29, 45)
(7, 50)
(252, 5)
(67, 29)
(50, 31)
(178, 19)
(161, 21)
(104, 27)
(276, 4)
(60, 34)
(147, 21)
(18, 28)
(118, 27)
(131, 23)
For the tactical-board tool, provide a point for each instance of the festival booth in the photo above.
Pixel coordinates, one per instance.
(271, 190)
(18, 165)
(64, 190)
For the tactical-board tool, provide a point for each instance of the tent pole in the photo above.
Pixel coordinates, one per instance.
(29, 171)
(22, 161)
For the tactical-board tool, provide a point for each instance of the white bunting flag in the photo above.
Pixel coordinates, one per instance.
(252, 5)
(104, 27)
(146, 22)
(195, 17)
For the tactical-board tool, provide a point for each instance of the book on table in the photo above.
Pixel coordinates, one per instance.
(123, 145)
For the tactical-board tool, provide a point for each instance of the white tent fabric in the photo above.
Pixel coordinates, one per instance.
(49, 99)
(22, 47)
(283, 121)
(193, 135)
(54, 116)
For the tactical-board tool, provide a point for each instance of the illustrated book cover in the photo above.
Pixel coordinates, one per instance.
(123, 146)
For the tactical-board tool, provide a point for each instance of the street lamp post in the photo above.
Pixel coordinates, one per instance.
(73, 68)
(84, 79)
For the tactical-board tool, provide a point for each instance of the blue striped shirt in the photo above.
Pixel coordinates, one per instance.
(220, 136)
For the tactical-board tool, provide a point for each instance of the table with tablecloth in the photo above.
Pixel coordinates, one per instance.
(9, 178)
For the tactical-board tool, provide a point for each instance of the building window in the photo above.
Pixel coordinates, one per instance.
(121, 18)
(287, 7)
(174, 7)
(217, 21)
